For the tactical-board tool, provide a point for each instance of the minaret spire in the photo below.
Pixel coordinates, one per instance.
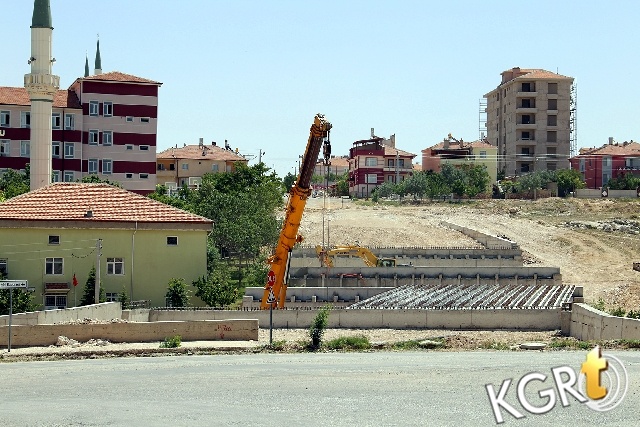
(41, 86)
(86, 66)
(98, 67)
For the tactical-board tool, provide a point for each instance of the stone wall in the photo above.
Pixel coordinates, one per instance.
(589, 324)
(103, 311)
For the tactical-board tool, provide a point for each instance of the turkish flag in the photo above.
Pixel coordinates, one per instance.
(75, 281)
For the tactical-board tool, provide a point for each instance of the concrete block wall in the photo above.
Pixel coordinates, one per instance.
(587, 193)
(43, 335)
(489, 241)
(589, 324)
(103, 311)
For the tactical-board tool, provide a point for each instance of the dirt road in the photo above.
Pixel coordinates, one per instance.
(594, 242)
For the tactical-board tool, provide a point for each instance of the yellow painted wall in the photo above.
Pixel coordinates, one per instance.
(149, 263)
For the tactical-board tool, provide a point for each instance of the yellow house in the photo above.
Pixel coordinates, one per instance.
(56, 233)
(457, 152)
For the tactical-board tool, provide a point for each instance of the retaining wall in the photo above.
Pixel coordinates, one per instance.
(588, 193)
(588, 324)
(103, 311)
(541, 320)
(207, 330)
(489, 241)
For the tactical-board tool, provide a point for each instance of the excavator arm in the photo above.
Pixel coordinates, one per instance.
(326, 256)
(275, 291)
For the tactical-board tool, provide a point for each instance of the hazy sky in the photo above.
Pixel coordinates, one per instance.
(256, 72)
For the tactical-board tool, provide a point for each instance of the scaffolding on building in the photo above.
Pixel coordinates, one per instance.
(573, 120)
(482, 119)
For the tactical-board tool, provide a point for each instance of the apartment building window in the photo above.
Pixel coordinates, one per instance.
(371, 178)
(107, 109)
(528, 87)
(552, 104)
(107, 137)
(582, 168)
(54, 239)
(526, 119)
(25, 119)
(55, 121)
(107, 166)
(53, 301)
(3, 267)
(371, 161)
(111, 296)
(94, 108)
(390, 178)
(483, 154)
(115, 266)
(69, 150)
(401, 163)
(25, 148)
(55, 150)
(69, 121)
(172, 240)
(93, 137)
(214, 168)
(526, 135)
(128, 175)
(390, 163)
(525, 151)
(172, 167)
(129, 146)
(5, 146)
(185, 166)
(144, 176)
(498, 112)
(53, 266)
(93, 166)
(606, 162)
(552, 136)
(161, 167)
(55, 176)
(528, 103)
(144, 119)
(144, 148)
(129, 119)
(552, 120)
(69, 176)
(553, 88)
(5, 117)
(605, 178)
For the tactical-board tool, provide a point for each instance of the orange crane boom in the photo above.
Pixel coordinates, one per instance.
(275, 291)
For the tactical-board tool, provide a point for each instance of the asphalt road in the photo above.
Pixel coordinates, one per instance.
(328, 389)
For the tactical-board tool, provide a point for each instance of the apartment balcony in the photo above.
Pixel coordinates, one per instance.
(525, 110)
(525, 157)
(400, 168)
(526, 142)
(526, 94)
(526, 126)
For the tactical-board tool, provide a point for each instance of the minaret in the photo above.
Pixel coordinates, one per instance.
(41, 86)
(98, 68)
(86, 66)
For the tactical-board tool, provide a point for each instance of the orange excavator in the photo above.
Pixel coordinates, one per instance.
(275, 291)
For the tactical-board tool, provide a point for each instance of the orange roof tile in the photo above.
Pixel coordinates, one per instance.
(19, 96)
(71, 201)
(453, 145)
(337, 161)
(617, 149)
(117, 76)
(390, 151)
(194, 152)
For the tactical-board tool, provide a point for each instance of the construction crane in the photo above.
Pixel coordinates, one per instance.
(275, 290)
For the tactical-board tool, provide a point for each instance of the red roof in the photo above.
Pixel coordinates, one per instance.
(195, 152)
(117, 76)
(390, 151)
(617, 149)
(453, 145)
(71, 202)
(20, 96)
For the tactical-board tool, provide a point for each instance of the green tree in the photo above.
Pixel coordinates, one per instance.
(89, 292)
(476, 179)
(342, 185)
(568, 180)
(216, 289)
(288, 180)
(628, 181)
(386, 189)
(13, 183)
(436, 185)
(318, 326)
(454, 178)
(416, 185)
(22, 300)
(177, 293)
(95, 179)
(123, 299)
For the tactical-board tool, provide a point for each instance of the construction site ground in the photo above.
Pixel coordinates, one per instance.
(593, 241)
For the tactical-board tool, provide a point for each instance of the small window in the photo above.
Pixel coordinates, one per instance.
(144, 119)
(107, 109)
(5, 117)
(107, 137)
(111, 296)
(483, 154)
(371, 178)
(553, 88)
(130, 119)
(552, 104)
(53, 266)
(55, 150)
(5, 146)
(214, 168)
(185, 166)
(552, 136)
(115, 266)
(552, 120)
(172, 240)
(53, 301)
(144, 176)
(54, 240)
(55, 176)
(107, 166)
(25, 149)
(129, 146)
(69, 176)
(93, 166)
(55, 121)
(172, 167)
(69, 150)
(371, 161)
(25, 119)
(93, 108)
(144, 148)
(128, 175)
(3, 267)
(93, 137)
(161, 167)
(69, 121)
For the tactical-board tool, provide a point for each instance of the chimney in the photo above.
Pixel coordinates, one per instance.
(373, 135)
(610, 140)
(201, 142)
(213, 143)
(445, 144)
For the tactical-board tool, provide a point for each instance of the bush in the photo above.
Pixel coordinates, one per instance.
(171, 342)
(618, 312)
(349, 343)
(319, 324)
(633, 314)
(177, 294)
(599, 305)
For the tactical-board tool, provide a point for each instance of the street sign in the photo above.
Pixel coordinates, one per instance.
(271, 278)
(272, 298)
(13, 284)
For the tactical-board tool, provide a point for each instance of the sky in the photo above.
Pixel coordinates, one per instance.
(256, 72)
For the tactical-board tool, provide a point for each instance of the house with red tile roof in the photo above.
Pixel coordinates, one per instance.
(338, 167)
(180, 166)
(456, 152)
(374, 161)
(600, 164)
(53, 234)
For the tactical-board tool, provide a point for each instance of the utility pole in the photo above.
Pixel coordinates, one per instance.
(260, 153)
(97, 285)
